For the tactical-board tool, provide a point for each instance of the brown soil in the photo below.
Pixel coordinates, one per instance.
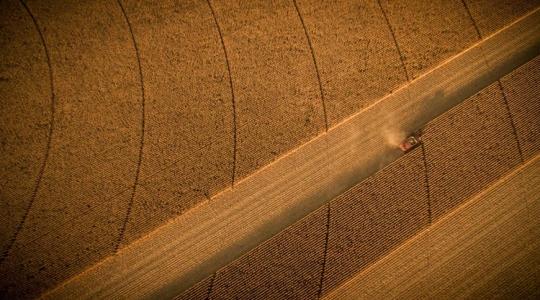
(490, 16)
(116, 118)
(380, 213)
(521, 88)
(428, 32)
(375, 216)
(467, 148)
(277, 96)
(25, 112)
(77, 199)
(188, 112)
(486, 248)
(296, 255)
(355, 52)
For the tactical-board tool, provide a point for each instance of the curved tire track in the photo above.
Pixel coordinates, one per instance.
(327, 233)
(395, 40)
(503, 94)
(210, 286)
(325, 255)
(49, 138)
(424, 160)
(314, 63)
(232, 90)
(188, 120)
(141, 145)
(426, 182)
(269, 60)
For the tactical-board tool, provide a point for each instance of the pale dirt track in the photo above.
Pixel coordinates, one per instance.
(117, 118)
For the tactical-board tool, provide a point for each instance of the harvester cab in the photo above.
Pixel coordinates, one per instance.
(412, 141)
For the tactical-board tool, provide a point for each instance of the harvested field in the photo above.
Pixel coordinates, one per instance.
(487, 248)
(119, 118)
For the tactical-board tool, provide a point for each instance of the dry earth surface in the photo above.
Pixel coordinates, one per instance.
(380, 213)
(118, 116)
(487, 248)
